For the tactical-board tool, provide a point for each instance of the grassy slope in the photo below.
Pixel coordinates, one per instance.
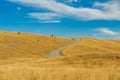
(28, 45)
(94, 46)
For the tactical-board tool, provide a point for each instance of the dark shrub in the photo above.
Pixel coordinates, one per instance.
(18, 33)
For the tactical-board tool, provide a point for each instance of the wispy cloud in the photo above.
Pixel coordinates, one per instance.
(101, 11)
(107, 31)
(45, 17)
(73, 0)
(51, 21)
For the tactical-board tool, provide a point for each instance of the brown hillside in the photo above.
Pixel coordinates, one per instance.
(28, 45)
(91, 45)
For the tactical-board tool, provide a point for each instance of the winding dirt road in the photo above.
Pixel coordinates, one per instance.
(57, 53)
(53, 54)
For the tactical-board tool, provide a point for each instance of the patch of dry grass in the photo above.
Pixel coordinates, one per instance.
(93, 67)
(61, 69)
(59, 74)
(89, 67)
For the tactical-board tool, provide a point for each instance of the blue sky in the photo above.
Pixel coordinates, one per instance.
(67, 18)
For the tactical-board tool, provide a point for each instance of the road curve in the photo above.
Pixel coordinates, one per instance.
(57, 53)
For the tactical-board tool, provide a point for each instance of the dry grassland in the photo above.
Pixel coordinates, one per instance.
(22, 58)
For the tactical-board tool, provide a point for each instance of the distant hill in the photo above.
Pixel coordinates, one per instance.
(19, 44)
(92, 45)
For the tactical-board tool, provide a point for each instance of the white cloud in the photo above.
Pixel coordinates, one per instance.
(107, 31)
(101, 11)
(45, 17)
(51, 21)
(73, 0)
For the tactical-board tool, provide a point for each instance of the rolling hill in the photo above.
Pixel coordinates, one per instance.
(26, 45)
(93, 46)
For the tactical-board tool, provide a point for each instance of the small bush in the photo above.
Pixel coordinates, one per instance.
(52, 35)
(18, 33)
